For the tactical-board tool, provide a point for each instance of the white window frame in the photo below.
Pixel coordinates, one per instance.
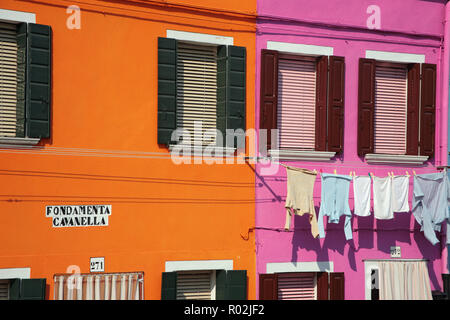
(396, 57)
(11, 16)
(201, 265)
(205, 39)
(307, 50)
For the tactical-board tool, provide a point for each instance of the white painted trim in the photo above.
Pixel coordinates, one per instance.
(313, 266)
(301, 155)
(199, 37)
(200, 151)
(14, 273)
(395, 56)
(13, 141)
(17, 16)
(190, 265)
(307, 49)
(392, 158)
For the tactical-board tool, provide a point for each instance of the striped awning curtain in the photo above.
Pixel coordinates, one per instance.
(195, 285)
(197, 91)
(8, 79)
(297, 286)
(114, 286)
(296, 104)
(390, 110)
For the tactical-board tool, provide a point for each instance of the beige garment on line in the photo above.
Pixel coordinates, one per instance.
(300, 188)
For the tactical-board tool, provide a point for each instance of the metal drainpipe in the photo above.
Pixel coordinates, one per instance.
(444, 116)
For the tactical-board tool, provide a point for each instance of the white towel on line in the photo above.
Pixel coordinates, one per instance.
(361, 192)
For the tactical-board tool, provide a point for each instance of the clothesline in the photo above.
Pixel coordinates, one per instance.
(352, 172)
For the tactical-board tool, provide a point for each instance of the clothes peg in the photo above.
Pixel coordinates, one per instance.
(414, 172)
(389, 174)
(334, 171)
(350, 173)
(354, 173)
(407, 174)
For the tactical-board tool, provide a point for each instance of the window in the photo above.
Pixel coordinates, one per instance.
(203, 83)
(302, 97)
(4, 289)
(302, 286)
(204, 285)
(25, 81)
(396, 114)
(104, 286)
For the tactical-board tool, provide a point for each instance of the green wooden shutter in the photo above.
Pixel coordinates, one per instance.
(236, 80)
(231, 90)
(221, 92)
(32, 289)
(21, 78)
(221, 285)
(38, 81)
(167, 89)
(169, 286)
(27, 289)
(231, 285)
(14, 289)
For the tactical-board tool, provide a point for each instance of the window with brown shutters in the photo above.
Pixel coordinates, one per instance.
(302, 97)
(396, 108)
(302, 286)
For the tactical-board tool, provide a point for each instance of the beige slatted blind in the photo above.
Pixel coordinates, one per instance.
(4, 289)
(8, 79)
(297, 286)
(195, 285)
(296, 104)
(390, 110)
(197, 89)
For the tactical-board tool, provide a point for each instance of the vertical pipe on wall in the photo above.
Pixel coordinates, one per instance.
(444, 116)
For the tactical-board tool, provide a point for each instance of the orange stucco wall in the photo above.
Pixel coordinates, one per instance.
(104, 118)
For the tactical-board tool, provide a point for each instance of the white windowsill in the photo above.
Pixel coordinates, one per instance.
(205, 151)
(392, 158)
(12, 141)
(301, 155)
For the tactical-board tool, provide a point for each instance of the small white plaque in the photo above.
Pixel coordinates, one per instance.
(396, 252)
(97, 264)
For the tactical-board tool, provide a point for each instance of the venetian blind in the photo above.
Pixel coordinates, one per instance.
(298, 286)
(390, 110)
(296, 104)
(8, 79)
(4, 289)
(195, 285)
(197, 90)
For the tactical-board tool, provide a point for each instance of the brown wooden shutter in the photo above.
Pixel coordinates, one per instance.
(268, 287)
(269, 92)
(412, 125)
(322, 286)
(336, 104)
(321, 103)
(366, 106)
(337, 286)
(428, 110)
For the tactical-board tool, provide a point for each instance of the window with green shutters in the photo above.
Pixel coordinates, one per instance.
(201, 89)
(204, 285)
(25, 80)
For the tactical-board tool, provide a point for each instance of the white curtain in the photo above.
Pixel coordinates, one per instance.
(124, 286)
(404, 280)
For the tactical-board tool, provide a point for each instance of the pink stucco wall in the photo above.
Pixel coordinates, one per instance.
(413, 26)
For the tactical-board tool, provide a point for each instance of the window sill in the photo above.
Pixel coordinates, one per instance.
(372, 158)
(201, 151)
(18, 142)
(301, 155)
